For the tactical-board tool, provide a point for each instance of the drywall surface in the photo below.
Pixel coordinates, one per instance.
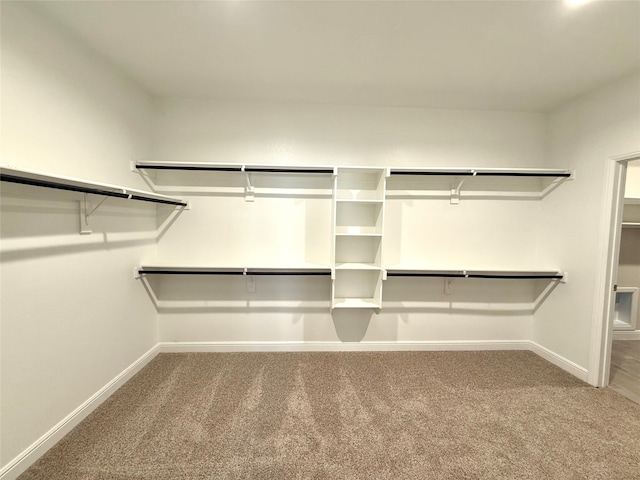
(583, 136)
(289, 222)
(72, 316)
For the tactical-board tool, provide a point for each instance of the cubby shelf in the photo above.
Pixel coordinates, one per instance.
(359, 195)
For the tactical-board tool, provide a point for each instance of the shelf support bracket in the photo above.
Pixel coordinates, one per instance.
(249, 189)
(85, 212)
(455, 190)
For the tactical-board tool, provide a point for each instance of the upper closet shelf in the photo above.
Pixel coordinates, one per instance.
(497, 274)
(187, 270)
(632, 200)
(483, 172)
(12, 174)
(235, 167)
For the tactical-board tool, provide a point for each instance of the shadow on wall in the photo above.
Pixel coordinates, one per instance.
(43, 222)
(351, 325)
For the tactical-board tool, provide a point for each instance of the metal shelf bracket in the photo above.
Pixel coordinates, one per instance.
(86, 210)
(249, 190)
(455, 190)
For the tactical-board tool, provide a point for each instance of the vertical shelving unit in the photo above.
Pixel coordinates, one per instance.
(358, 214)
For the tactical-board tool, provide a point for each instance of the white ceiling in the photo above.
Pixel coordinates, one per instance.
(512, 55)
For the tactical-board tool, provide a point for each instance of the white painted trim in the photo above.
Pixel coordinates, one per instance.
(621, 335)
(24, 460)
(186, 347)
(472, 345)
(559, 361)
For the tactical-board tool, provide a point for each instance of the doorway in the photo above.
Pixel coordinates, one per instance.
(604, 313)
(624, 373)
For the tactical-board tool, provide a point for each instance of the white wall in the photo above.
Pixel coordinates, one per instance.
(72, 317)
(583, 135)
(281, 228)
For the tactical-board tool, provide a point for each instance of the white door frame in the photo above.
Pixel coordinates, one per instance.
(602, 331)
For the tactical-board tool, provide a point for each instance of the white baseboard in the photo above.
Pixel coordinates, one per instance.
(629, 335)
(18, 465)
(559, 361)
(186, 347)
(472, 345)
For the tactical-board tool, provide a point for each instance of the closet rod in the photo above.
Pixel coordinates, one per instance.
(227, 168)
(239, 271)
(480, 174)
(81, 189)
(476, 275)
(189, 167)
(324, 171)
(186, 271)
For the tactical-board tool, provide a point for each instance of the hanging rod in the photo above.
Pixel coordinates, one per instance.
(46, 180)
(482, 172)
(232, 271)
(215, 167)
(476, 274)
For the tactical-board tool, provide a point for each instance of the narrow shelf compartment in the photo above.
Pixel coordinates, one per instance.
(360, 184)
(47, 180)
(357, 288)
(359, 218)
(358, 249)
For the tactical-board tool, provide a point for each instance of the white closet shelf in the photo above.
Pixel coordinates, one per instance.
(349, 198)
(361, 232)
(489, 274)
(632, 200)
(328, 169)
(9, 173)
(484, 172)
(357, 266)
(190, 270)
(236, 167)
(358, 302)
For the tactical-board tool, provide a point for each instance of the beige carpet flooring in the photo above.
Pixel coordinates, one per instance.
(401, 415)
